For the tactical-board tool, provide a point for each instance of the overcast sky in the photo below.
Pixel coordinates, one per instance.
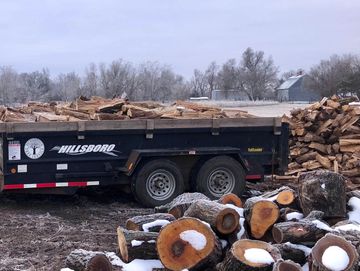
(67, 35)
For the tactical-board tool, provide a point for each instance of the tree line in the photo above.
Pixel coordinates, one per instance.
(253, 74)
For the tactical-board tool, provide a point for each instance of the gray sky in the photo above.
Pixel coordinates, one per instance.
(66, 35)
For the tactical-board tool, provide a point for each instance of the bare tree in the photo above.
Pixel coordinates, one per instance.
(67, 86)
(199, 84)
(228, 76)
(8, 84)
(90, 82)
(258, 76)
(328, 77)
(211, 76)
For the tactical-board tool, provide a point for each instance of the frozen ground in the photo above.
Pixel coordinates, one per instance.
(271, 110)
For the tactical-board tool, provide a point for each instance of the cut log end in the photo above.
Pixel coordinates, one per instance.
(186, 243)
(231, 199)
(286, 266)
(227, 221)
(285, 197)
(99, 263)
(122, 245)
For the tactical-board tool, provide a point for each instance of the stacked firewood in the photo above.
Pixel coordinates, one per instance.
(278, 230)
(98, 108)
(325, 135)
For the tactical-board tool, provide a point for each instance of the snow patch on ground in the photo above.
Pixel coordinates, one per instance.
(335, 258)
(136, 243)
(196, 239)
(258, 255)
(142, 265)
(303, 248)
(294, 215)
(66, 269)
(158, 222)
(321, 225)
(354, 215)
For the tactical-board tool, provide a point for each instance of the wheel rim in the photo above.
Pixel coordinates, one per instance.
(220, 182)
(160, 184)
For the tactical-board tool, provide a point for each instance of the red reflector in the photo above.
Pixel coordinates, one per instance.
(77, 183)
(13, 186)
(253, 177)
(45, 185)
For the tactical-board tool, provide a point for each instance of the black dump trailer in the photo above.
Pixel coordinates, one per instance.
(157, 158)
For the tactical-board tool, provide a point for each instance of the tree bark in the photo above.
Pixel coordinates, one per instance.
(80, 260)
(235, 257)
(333, 240)
(287, 265)
(136, 245)
(180, 204)
(231, 199)
(148, 222)
(222, 219)
(323, 191)
(260, 214)
(289, 252)
(177, 251)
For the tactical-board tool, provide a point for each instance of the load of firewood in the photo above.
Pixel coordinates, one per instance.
(325, 135)
(282, 230)
(98, 108)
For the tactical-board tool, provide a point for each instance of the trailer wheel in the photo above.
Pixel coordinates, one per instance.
(221, 175)
(158, 182)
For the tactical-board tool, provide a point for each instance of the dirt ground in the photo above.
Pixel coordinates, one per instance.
(37, 232)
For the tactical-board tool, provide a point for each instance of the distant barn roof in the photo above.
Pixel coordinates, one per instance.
(290, 81)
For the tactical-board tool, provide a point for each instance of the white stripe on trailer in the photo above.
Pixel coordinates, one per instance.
(93, 183)
(62, 184)
(31, 185)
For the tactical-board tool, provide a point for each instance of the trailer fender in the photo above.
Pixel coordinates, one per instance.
(137, 155)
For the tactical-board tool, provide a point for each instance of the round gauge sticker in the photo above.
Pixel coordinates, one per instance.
(34, 148)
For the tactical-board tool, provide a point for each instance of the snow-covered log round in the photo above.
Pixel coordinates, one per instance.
(136, 245)
(260, 214)
(222, 219)
(250, 255)
(187, 243)
(180, 204)
(334, 253)
(323, 191)
(152, 222)
(231, 198)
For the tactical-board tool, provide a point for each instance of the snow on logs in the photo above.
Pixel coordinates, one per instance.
(188, 243)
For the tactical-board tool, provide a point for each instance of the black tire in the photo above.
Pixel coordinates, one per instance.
(221, 175)
(158, 182)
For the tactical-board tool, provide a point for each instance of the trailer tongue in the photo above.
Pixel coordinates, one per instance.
(157, 158)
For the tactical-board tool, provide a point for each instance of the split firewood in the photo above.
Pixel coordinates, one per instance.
(222, 219)
(334, 253)
(260, 214)
(287, 265)
(180, 204)
(231, 198)
(149, 223)
(80, 260)
(323, 191)
(187, 243)
(250, 255)
(136, 244)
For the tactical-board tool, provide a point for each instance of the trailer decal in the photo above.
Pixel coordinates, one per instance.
(108, 149)
(50, 185)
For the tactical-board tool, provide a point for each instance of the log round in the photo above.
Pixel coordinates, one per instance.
(286, 266)
(136, 245)
(231, 198)
(187, 243)
(148, 222)
(283, 196)
(323, 191)
(223, 220)
(260, 214)
(80, 259)
(235, 258)
(332, 240)
(289, 252)
(180, 204)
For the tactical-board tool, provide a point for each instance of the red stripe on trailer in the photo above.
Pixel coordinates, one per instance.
(13, 186)
(253, 177)
(45, 185)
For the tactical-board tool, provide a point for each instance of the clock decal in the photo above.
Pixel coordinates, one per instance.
(34, 148)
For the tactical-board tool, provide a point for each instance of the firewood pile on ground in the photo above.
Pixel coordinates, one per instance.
(325, 135)
(315, 227)
(98, 108)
